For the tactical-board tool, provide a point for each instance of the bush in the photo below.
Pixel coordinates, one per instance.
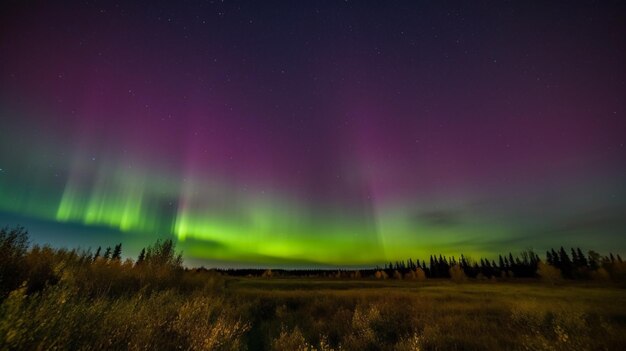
(548, 273)
(363, 335)
(41, 263)
(381, 275)
(600, 274)
(457, 274)
(420, 275)
(207, 325)
(290, 341)
(410, 275)
(267, 273)
(13, 267)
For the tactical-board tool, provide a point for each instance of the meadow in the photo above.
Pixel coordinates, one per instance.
(71, 300)
(303, 314)
(434, 315)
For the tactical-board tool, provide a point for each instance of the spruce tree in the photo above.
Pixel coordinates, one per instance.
(566, 263)
(142, 256)
(582, 258)
(107, 253)
(549, 258)
(97, 255)
(117, 252)
(556, 259)
(575, 259)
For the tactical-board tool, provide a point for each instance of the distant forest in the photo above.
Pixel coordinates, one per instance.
(558, 264)
(35, 267)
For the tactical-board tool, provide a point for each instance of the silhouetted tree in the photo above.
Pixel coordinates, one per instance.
(555, 259)
(576, 261)
(13, 269)
(594, 259)
(97, 255)
(566, 263)
(141, 257)
(432, 267)
(549, 258)
(117, 252)
(163, 254)
(582, 258)
(107, 253)
(41, 263)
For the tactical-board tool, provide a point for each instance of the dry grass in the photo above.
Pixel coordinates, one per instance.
(437, 315)
(319, 314)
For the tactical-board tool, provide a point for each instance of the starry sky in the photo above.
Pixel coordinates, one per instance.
(315, 133)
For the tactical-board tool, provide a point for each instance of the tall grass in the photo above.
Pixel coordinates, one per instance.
(61, 318)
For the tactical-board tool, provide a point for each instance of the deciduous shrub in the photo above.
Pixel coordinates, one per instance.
(13, 268)
(457, 274)
(548, 273)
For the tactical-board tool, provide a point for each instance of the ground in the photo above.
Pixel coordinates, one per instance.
(226, 313)
(440, 314)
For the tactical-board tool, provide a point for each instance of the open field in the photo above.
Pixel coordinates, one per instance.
(440, 314)
(299, 314)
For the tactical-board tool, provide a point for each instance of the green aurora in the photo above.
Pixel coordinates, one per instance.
(312, 140)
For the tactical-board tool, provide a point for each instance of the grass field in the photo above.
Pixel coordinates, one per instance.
(304, 314)
(406, 315)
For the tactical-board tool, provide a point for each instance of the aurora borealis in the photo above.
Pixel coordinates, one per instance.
(314, 133)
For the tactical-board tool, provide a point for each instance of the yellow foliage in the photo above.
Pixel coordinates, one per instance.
(548, 272)
(457, 274)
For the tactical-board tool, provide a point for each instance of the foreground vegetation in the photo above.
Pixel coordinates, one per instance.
(66, 299)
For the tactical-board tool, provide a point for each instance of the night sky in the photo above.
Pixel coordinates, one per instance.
(315, 133)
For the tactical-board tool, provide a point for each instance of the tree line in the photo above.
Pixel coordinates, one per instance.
(576, 265)
(527, 264)
(35, 267)
(159, 265)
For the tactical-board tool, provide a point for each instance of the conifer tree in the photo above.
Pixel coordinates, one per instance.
(566, 262)
(582, 258)
(117, 252)
(511, 261)
(107, 253)
(594, 259)
(97, 255)
(141, 257)
(555, 259)
(575, 258)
